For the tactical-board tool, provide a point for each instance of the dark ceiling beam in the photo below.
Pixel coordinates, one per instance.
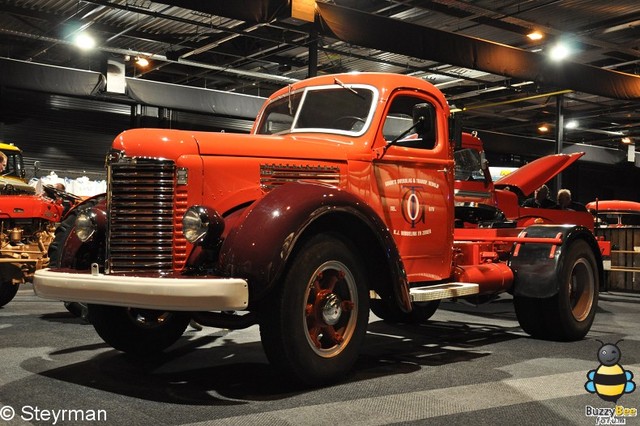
(353, 26)
(256, 11)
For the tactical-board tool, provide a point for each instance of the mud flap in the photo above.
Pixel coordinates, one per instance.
(536, 266)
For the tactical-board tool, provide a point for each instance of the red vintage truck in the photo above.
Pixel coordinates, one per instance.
(340, 200)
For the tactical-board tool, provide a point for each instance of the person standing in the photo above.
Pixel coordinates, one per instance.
(540, 199)
(566, 203)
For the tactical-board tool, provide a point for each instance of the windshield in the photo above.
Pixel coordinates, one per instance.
(619, 219)
(468, 165)
(328, 109)
(15, 165)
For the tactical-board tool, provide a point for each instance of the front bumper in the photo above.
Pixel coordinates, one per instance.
(170, 294)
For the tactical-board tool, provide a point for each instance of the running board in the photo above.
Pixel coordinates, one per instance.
(443, 291)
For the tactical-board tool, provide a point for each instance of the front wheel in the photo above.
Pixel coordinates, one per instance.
(137, 331)
(313, 326)
(570, 313)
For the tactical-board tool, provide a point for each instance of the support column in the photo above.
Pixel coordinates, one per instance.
(313, 50)
(559, 135)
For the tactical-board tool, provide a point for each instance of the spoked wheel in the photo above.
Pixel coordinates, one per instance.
(569, 314)
(137, 331)
(313, 327)
(581, 289)
(329, 309)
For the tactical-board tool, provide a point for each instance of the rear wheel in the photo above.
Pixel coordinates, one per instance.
(569, 314)
(138, 331)
(313, 326)
(421, 313)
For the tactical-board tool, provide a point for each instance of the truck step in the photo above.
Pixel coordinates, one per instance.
(443, 291)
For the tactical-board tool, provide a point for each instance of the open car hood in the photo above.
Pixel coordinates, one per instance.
(531, 176)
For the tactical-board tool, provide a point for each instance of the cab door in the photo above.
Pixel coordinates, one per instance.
(414, 177)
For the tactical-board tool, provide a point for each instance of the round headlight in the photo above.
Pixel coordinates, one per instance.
(85, 225)
(195, 224)
(201, 224)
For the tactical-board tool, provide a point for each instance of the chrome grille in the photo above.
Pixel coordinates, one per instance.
(141, 200)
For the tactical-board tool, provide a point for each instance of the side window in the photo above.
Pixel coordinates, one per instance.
(400, 118)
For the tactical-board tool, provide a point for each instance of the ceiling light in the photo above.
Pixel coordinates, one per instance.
(85, 41)
(543, 128)
(626, 140)
(535, 35)
(142, 62)
(559, 52)
(572, 124)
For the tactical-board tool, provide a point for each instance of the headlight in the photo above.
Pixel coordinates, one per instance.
(202, 225)
(85, 225)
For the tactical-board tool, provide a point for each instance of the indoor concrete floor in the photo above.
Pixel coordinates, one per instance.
(469, 365)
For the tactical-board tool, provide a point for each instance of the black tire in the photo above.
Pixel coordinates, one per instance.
(83, 261)
(138, 332)
(8, 289)
(568, 315)
(313, 325)
(421, 313)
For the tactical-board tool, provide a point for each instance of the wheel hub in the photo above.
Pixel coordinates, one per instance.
(331, 309)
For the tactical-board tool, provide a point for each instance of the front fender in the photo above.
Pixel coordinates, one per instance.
(258, 247)
(71, 245)
(536, 266)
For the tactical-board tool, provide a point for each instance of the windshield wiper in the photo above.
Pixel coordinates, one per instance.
(345, 87)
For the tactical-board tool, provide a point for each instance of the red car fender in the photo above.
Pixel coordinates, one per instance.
(260, 245)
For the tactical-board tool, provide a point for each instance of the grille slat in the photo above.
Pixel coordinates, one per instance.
(141, 216)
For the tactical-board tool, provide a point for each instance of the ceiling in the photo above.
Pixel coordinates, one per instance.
(255, 47)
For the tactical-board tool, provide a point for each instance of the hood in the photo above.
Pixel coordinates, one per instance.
(620, 206)
(532, 176)
(292, 145)
(172, 144)
(11, 185)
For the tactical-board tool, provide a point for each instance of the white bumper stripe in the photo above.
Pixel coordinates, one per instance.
(171, 294)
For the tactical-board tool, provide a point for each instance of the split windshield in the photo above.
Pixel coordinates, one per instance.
(329, 109)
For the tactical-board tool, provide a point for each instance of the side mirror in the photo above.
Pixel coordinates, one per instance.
(423, 119)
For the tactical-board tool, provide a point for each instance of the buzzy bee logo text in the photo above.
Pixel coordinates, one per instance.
(610, 381)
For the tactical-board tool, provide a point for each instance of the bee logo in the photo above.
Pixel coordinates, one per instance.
(609, 381)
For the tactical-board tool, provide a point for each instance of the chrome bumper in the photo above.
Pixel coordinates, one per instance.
(170, 294)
